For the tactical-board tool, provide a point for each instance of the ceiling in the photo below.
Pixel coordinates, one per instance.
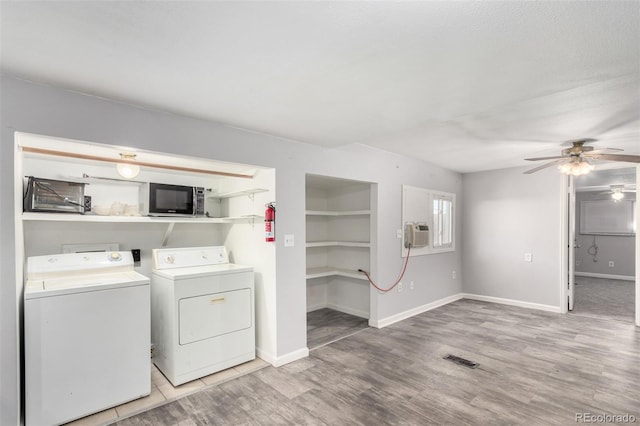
(466, 85)
(598, 179)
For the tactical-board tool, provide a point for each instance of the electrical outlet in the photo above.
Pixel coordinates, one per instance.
(398, 233)
(399, 287)
(528, 257)
(135, 253)
(412, 286)
(453, 274)
(577, 263)
(611, 264)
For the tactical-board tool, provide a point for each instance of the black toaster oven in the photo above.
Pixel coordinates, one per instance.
(48, 195)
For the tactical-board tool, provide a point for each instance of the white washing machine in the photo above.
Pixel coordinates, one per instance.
(86, 335)
(202, 312)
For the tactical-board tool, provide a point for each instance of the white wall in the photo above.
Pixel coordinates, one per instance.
(507, 214)
(51, 111)
(245, 244)
(617, 248)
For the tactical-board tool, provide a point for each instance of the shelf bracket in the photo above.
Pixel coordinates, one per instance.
(167, 233)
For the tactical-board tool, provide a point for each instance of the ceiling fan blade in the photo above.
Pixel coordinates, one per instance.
(614, 157)
(544, 166)
(604, 150)
(545, 158)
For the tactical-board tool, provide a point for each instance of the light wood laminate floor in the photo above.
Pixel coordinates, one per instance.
(605, 298)
(536, 368)
(326, 325)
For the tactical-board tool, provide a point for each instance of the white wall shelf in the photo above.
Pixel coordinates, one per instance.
(328, 271)
(170, 221)
(249, 192)
(70, 217)
(104, 180)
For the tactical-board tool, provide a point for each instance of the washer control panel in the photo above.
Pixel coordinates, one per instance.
(189, 257)
(77, 263)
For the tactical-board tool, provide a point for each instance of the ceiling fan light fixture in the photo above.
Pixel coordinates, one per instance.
(128, 169)
(576, 167)
(617, 195)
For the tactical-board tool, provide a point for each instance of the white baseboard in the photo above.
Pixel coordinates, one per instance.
(606, 276)
(278, 361)
(384, 322)
(291, 356)
(265, 356)
(311, 308)
(528, 305)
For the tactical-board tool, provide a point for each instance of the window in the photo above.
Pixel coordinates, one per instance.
(442, 222)
(434, 209)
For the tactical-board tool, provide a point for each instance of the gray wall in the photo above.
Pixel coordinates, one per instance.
(507, 214)
(51, 111)
(621, 249)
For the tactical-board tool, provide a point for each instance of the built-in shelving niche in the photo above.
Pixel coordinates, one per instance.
(338, 243)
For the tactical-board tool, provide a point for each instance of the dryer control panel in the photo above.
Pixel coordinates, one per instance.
(188, 257)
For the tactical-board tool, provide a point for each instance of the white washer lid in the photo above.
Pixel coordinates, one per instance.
(82, 284)
(201, 271)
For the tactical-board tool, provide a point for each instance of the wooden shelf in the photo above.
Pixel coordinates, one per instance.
(338, 213)
(328, 271)
(338, 244)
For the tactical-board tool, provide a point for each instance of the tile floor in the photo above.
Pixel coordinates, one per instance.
(162, 391)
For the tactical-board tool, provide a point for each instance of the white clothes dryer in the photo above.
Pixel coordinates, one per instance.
(202, 312)
(86, 335)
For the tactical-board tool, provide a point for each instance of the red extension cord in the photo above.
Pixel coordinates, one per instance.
(404, 268)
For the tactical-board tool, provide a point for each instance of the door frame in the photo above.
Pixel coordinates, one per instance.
(565, 248)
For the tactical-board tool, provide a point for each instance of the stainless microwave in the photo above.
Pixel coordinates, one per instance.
(172, 200)
(57, 196)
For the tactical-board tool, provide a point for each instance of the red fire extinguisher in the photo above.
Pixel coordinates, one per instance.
(270, 222)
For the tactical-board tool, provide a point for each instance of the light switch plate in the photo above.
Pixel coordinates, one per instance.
(288, 240)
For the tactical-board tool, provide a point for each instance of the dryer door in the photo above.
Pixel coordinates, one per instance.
(211, 315)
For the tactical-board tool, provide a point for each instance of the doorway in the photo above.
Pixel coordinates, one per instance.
(602, 259)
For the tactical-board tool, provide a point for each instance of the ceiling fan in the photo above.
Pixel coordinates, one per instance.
(576, 160)
(616, 192)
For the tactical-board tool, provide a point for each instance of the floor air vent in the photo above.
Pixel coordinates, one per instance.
(461, 361)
